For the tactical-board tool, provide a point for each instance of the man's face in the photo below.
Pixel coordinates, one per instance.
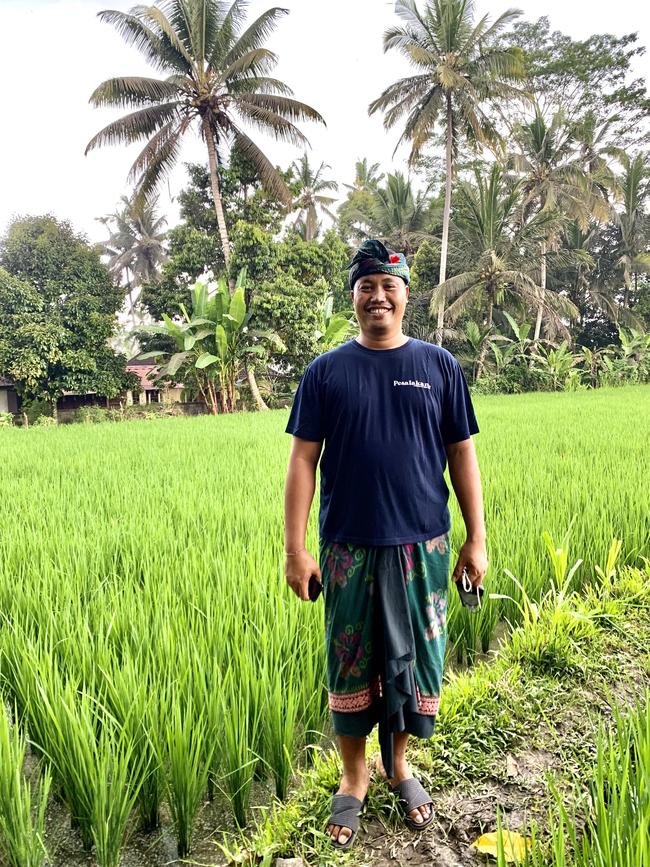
(379, 302)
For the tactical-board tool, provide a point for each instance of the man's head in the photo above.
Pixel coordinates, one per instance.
(379, 286)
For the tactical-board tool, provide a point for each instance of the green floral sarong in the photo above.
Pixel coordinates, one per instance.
(363, 617)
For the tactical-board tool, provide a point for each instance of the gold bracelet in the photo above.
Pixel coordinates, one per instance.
(292, 553)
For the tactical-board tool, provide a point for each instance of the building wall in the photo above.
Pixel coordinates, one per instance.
(8, 400)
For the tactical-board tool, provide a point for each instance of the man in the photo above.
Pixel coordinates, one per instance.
(392, 411)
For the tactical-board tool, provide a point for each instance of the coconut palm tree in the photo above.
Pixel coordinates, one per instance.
(310, 200)
(555, 179)
(399, 216)
(135, 246)
(498, 246)
(354, 213)
(366, 177)
(634, 222)
(216, 77)
(456, 73)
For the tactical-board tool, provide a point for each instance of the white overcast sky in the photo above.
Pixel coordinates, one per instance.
(55, 52)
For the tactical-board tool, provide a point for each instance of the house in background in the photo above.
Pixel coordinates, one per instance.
(8, 396)
(151, 392)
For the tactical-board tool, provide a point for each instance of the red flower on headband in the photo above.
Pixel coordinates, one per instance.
(394, 259)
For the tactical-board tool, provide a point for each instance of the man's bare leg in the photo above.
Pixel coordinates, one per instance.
(402, 771)
(355, 779)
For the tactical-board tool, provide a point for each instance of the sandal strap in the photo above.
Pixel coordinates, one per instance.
(345, 812)
(413, 793)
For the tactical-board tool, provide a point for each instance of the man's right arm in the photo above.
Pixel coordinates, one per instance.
(298, 495)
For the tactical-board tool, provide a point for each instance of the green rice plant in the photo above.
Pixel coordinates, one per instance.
(133, 699)
(611, 826)
(241, 714)
(22, 817)
(187, 760)
(117, 774)
(617, 830)
(281, 689)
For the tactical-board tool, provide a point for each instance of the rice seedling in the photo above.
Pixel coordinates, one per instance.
(22, 816)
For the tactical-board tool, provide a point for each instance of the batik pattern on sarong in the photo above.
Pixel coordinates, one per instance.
(350, 586)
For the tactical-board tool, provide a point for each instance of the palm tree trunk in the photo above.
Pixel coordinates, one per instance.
(257, 397)
(542, 281)
(445, 223)
(484, 348)
(129, 289)
(214, 182)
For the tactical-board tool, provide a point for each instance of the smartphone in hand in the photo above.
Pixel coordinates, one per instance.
(470, 596)
(314, 588)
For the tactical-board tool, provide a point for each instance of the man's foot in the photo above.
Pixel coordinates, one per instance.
(403, 772)
(356, 785)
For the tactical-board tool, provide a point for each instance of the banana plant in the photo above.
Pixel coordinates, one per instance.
(555, 364)
(333, 328)
(213, 342)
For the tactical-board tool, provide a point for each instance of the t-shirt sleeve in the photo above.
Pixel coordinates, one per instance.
(307, 416)
(458, 419)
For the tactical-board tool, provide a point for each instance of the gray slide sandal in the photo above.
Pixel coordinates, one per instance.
(412, 795)
(345, 813)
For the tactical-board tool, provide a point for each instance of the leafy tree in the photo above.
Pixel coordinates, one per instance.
(57, 316)
(242, 194)
(583, 76)
(289, 308)
(191, 252)
(135, 247)
(216, 72)
(307, 261)
(254, 250)
(458, 70)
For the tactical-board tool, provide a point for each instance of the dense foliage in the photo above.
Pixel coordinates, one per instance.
(57, 311)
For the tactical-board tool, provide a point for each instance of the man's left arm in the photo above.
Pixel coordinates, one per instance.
(465, 478)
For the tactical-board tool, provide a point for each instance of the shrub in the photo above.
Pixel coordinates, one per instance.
(91, 414)
(45, 421)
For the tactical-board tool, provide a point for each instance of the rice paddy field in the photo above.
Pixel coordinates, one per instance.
(152, 658)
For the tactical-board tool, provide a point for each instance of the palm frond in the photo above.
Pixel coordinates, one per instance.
(135, 32)
(269, 176)
(254, 63)
(169, 33)
(159, 164)
(401, 95)
(408, 11)
(259, 84)
(282, 106)
(252, 38)
(267, 121)
(150, 151)
(132, 91)
(135, 126)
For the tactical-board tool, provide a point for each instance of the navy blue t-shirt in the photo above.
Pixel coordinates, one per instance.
(385, 416)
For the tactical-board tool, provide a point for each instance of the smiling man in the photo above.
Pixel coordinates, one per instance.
(392, 411)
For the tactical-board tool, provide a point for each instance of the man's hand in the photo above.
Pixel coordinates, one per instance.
(473, 557)
(297, 569)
